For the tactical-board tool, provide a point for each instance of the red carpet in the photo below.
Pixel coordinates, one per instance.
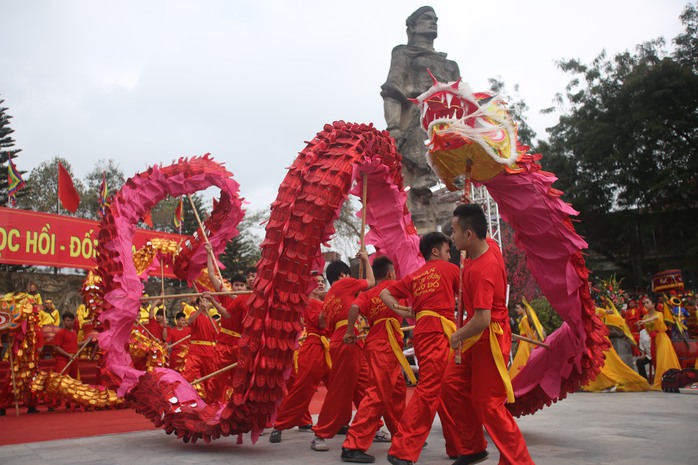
(63, 424)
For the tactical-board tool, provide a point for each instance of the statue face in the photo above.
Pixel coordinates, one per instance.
(426, 24)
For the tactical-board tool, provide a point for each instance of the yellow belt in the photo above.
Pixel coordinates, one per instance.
(230, 332)
(203, 343)
(495, 329)
(325, 347)
(340, 323)
(392, 326)
(448, 326)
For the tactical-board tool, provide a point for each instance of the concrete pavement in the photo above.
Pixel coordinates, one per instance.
(649, 428)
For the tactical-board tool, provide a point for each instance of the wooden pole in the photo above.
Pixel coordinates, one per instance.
(75, 356)
(148, 331)
(162, 278)
(531, 341)
(215, 373)
(463, 256)
(193, 294)
(14, 383)
(169, 346)
(364, 198)
(203, 234)
(404, 328)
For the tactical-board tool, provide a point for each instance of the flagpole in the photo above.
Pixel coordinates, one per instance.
(58, 200)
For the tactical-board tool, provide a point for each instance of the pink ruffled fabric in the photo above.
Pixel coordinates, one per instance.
(121, 284)
(544, 231)
(391, 231)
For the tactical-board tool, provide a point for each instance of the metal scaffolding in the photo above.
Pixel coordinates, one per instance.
(480, 196)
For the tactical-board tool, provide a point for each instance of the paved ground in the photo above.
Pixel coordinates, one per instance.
(649, 428)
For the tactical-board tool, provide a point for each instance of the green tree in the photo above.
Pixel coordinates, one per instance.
(243, 252)
(7, 153)
(626, 152)
(115, 179)
(43, 193)
(547, 316)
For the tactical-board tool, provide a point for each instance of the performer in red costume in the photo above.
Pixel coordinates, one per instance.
(156, 323)
(66, 345)
(349, 373)
(477, 388)
(233, 310)
(432, 291)
(201, 359)
(385, 393)
(175, 334)
(314, 365)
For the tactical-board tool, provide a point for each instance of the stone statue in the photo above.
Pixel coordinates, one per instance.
(408, 78)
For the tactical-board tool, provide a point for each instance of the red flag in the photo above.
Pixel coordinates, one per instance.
(179, 214)
(148, 218)
(67, 193)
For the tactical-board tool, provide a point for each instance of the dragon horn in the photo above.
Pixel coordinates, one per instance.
(432, 77)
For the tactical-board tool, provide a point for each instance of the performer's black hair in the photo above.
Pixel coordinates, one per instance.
(431, 240)
(381, 267)
(471, 216)
(335, 269)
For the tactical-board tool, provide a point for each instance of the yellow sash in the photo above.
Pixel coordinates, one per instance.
(325, 346)
(448, 326)
(494, 329)
(230, 332)
(392, 326)
(203, 343)
(341, 323)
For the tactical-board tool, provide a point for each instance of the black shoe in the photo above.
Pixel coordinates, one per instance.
(275, 436)
(306, 428)
(343, 430)
(356, 455)
(472, 458)
(32, 410)
(2, 412)
(396, 461)
(50, 409)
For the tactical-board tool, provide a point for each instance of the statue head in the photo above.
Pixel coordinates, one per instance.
(422, 24)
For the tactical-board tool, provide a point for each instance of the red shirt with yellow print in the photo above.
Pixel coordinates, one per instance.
(432, 287)
(337, 302)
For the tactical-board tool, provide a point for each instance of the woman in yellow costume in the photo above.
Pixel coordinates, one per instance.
(615, 375)
(530, 327)
(664, 356)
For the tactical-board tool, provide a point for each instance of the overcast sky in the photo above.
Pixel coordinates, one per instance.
(145, 82)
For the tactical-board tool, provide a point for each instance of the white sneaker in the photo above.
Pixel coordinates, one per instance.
(381, 436)
(319, 445)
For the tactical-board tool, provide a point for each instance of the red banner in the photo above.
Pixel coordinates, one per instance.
(45, 239)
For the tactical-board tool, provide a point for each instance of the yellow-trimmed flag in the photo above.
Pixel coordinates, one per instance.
(14, 181)
(103, 195)
(179, 214)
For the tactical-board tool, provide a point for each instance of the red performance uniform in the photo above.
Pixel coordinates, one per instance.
(227, 341)
(474, 392)
(180, 351)
(386, 390)
(201, 359)
(313, 367)
(349, 374)
(432, 289)
(155, 328)
(68, 341)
